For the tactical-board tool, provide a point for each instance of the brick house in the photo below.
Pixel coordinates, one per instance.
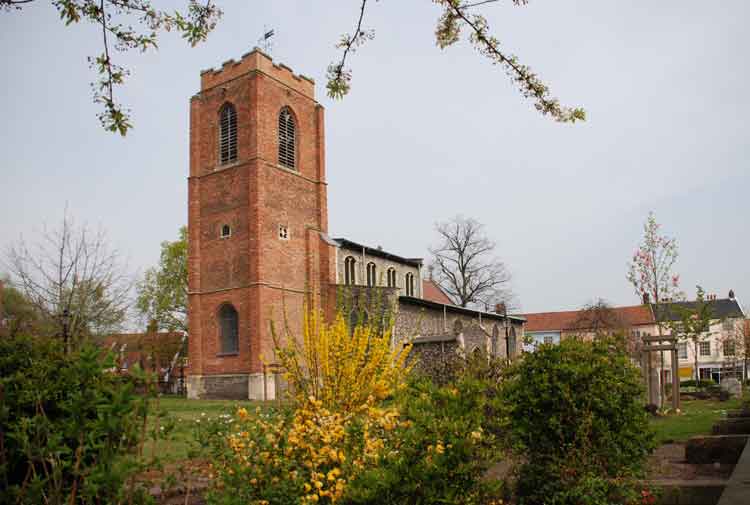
(259, 248)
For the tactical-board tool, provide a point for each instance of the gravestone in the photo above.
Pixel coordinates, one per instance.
(732, 386)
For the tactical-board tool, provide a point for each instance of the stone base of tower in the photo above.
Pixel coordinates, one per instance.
(234, 387)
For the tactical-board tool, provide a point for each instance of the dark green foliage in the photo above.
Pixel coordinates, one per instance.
(67, 426)
(574, 417)
(441, 455)
(703, 383)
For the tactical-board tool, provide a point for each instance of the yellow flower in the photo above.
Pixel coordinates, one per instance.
(242, 413)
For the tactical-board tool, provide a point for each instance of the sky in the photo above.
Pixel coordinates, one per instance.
(425, 134)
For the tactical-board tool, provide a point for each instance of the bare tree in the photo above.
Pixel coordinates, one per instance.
(465, 265)
(73, 279)
(599, 319)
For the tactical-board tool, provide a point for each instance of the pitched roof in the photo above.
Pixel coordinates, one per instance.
(431, 291)
(377, 252)
(575, 319)
(429, 304)
(720, 309)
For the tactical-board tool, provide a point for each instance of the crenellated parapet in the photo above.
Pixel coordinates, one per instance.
(257, 61)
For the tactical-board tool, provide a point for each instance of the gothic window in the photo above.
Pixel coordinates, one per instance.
(512, 342)
(371, 280)
(229, 329)
(287, 138)
(349, 264)
(391, 277)
(409, 281)
(227, 134)
(226, 231)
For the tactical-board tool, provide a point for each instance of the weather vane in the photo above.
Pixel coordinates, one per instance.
(265, 41)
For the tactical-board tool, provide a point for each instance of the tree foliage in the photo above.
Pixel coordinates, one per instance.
(465, 265)
(163, 291)
(135, 25)
(74, 280)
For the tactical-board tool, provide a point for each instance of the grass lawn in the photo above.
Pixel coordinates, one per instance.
(697, 418)
(185, 413)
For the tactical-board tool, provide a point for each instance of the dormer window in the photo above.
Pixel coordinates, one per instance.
(226, 231)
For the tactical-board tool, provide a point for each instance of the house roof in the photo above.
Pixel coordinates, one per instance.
(431, 291)
(409, 300)
(575, 319)
(720, 308)
(377, 252)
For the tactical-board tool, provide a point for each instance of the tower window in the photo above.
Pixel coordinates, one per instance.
(371, 280)
(287, 138)
(227, 134)
(409, 284)
(349, 264)
(226, 231)
(391, 277)
(229, 329)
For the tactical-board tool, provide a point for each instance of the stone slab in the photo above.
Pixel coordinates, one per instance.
(725, 449)
(732, 426)
(689, 492)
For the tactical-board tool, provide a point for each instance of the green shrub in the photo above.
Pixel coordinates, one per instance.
(575, 421)
(703, 383)
(66, 427)
(438, 454)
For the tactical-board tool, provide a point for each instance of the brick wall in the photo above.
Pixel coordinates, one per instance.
(266, 278)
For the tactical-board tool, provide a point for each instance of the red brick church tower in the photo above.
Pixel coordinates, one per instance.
(257, 220)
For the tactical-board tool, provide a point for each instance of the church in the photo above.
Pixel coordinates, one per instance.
(260, 250)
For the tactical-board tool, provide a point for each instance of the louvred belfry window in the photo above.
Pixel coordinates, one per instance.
(287, 138)
(227, 134)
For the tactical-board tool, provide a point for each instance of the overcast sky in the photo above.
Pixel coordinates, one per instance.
(425, 134)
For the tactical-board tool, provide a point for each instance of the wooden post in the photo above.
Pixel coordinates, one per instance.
(675, 381)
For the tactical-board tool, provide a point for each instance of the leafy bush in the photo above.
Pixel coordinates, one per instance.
(67, 426)
(703, 383)
(437, 454)
(575, 420)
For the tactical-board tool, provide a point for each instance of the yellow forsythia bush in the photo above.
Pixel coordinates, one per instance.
(334, 428)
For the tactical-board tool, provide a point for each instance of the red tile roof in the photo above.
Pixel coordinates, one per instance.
(432, 292)
(557, 321)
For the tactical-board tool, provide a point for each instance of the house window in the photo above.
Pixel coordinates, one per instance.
(229, 329)
(227, 134)
(226, 231)
(705, 348)
(682, 350)
(729, 348)
(349, 267)
(283, 232)
(548, 339)
(287, 138)
(391, 277)
(371, 281)
(728, 324)
(409, 284)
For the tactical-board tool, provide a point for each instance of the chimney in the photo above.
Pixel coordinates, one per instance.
(500, 308)
(731, 293)
(646, 298)
(431, 269)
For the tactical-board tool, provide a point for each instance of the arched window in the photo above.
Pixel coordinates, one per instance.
(349, 264)
(391, 277)
(409, 281)
(287, 138)
(227, 134)
(371, 280)
(458, 327)
(229, 329)
(512, 342)
(226, 231)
